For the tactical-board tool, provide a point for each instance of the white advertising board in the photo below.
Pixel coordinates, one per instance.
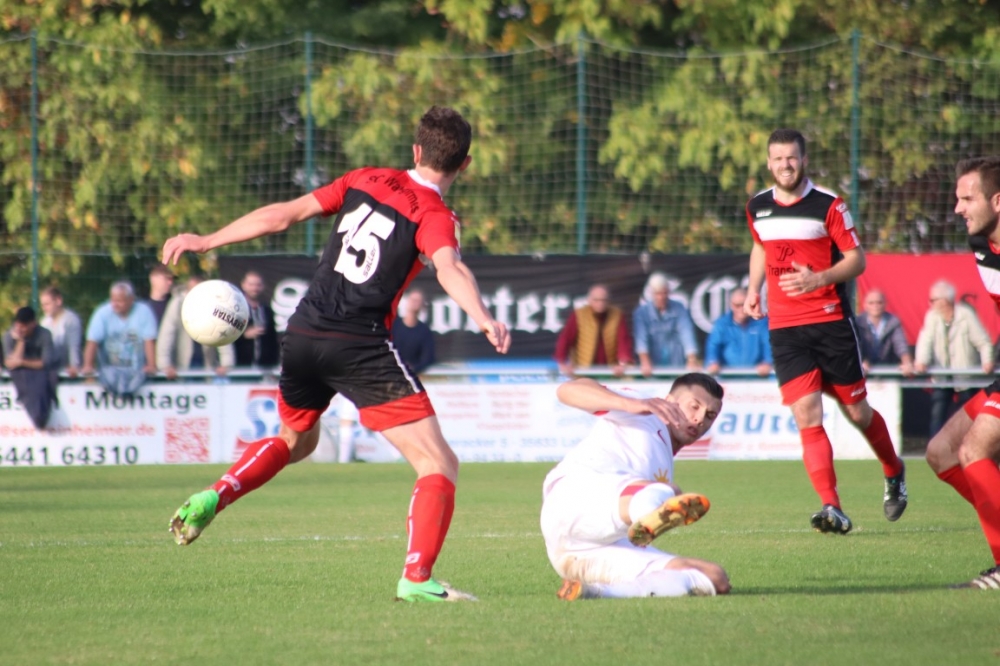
(204, 422)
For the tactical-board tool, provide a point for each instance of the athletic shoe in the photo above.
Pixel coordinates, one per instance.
(572, 590)
(676, 511)
(987, 580)
(894, 500)
(191, 519)
(831, 519)
(429, 590)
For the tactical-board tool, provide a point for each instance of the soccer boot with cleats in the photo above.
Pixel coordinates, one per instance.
(894, 499)
(831, 520)
(571, 590)
(429, 590)
(676, 511)
(194, 516)
(986, 580)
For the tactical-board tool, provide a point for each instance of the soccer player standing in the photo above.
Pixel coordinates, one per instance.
(964, 453)
(389, 222)
(805, 247)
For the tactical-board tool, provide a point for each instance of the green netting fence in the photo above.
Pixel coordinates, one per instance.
(579, 147)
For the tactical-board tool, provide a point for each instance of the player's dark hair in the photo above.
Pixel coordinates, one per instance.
(707, 382)
(786, 135)
(987, 167)
(444, 137)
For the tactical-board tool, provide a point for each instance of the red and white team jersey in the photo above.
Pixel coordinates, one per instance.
(988, 263)
(632, 446)
(389, 222)
(812, 232)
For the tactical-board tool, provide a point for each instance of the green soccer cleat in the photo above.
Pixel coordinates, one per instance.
(191, 519)
(429, 590)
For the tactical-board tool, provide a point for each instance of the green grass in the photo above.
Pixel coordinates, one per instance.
(303, 571)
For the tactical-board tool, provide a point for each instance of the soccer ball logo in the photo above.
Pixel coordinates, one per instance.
(215, 313)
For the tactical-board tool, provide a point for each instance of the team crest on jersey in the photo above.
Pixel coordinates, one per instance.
(662, 476)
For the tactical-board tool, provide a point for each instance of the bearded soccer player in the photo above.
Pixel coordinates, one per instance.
(806, 248)
(964, 453)
(389, 223)
(614, 493)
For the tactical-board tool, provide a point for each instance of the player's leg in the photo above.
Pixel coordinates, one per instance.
(977, 454)
(942, 450)
(302, 398)
(624, 571)
(650, 508)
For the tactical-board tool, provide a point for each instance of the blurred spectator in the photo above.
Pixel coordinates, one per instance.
(161, 281)
(595, 334)
(881, 337)
(258, 346)
(951, 337)
(66, 329)
(411, 337)
(175, 350)
(737, 341)
(121, 339)
(30, 359)
(663, 330)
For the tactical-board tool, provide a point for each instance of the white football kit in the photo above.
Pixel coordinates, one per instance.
(585, 537)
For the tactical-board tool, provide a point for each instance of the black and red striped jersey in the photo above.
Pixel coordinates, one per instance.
(389, 223)
(988, 263)
(814, 231)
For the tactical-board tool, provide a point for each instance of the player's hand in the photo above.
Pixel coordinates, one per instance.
(801, 281)
(181, 243)
(498, 336)
(665, 410)
(752, 306)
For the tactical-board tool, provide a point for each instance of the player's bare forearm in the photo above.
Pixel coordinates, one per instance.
(851, 266)
(264, 221)
(590, 396)
(458, 282)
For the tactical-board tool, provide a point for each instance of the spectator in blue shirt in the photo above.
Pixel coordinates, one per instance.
(737, 341)
(663, 330)
(881, 337)
(121, 342)
(412, 338)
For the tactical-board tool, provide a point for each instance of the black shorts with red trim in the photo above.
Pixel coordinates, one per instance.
(986, 401)
(367, 370)
(815, 357)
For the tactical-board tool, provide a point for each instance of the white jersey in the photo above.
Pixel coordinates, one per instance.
(636, 446)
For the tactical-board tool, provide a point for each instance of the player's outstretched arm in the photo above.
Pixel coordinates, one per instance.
(266, 220)
(458, 282)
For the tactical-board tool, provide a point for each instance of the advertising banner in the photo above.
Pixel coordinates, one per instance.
(483, 422)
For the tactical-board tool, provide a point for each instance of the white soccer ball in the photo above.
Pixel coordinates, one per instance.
(215, 313)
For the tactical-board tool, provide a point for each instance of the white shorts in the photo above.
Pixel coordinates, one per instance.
(585, 537)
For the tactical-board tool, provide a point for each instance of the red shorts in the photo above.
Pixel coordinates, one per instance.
(986, 401)
(368, 371)
(819, 357)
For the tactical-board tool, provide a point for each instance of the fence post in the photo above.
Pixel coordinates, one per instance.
(311, 224)
(855, 121)
(581, 146)
(34, 168)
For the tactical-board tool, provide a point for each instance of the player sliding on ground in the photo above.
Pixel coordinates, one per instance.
(613, 494)
(389, 222)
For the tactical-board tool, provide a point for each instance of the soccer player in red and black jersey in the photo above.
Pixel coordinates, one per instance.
(964, 454)
(388, 223)
(805, 247)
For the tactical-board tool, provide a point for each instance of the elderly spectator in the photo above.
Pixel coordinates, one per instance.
(595, 334)
(175, 350)
(663, 329)
(951, 337)
(258, 346)
(161, 283)
(30, 359)
(412, 338)
(66, 329)
(121, 339)
(737, 341)
(881, 337)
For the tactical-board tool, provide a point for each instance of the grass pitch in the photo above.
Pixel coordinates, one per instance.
(303, 571)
